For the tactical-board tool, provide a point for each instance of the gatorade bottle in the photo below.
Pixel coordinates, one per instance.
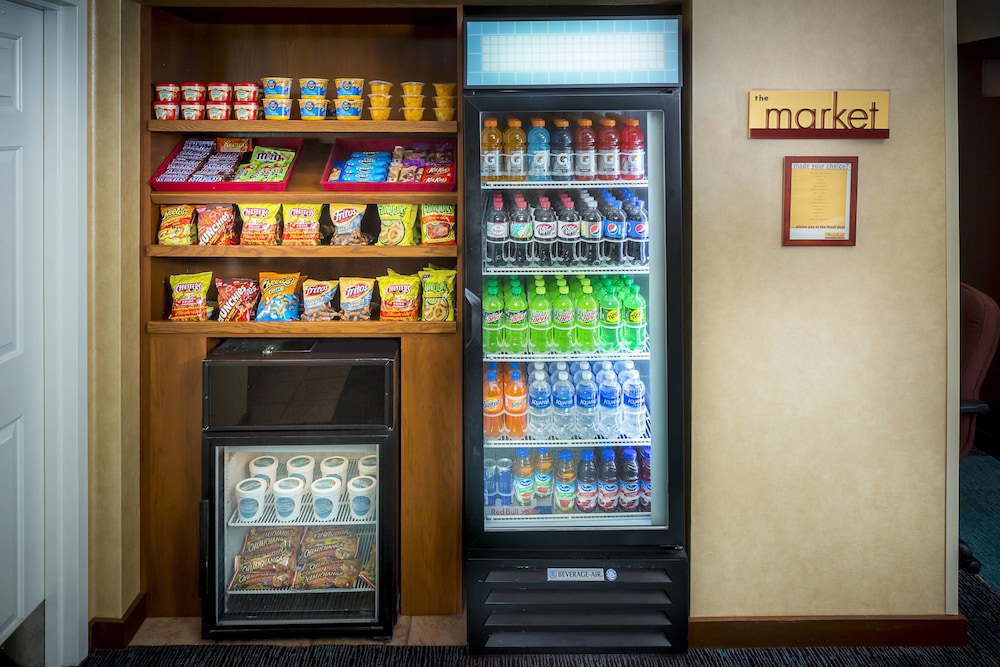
(615, 224)
(565, 487)
(563, 318)
(538, 151)
(607, 481)
(524, 477)
(514, 142)
(608, 321)
(491, 142)
(584, 150)
(544, 232)
(515, 398)
(645, 480)
(637, 232)
(539, 406)
(492, 322)
(497, 233)
(587, 312)
(608, 160)
(539, 322)
(520, 233)
(633, 151)
(543, 473)
(628, 483)
(516, 322)
(586, 482)
(561, 149)
(492, 407)
(634, 316)
(568, 233)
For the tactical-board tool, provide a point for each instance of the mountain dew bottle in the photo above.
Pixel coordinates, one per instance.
(516, 321)
(563, 316)
(492, 321)
(539, 322)
(586, 320)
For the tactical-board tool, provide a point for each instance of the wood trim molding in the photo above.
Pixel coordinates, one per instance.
(116, 633)
(815, 631)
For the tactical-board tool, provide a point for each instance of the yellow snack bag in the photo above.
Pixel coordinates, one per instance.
(260, 224)
(399, 225)
(317, 300)
(437, 224)
(439, 295)
(300, 224)
(190, 296)
(400, 296)
(356, 298)
(177, 226)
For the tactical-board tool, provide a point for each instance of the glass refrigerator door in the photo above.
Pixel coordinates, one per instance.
(574, 317)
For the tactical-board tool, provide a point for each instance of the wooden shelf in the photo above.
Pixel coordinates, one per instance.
(300, 329)
(307, 252)
(240, 127)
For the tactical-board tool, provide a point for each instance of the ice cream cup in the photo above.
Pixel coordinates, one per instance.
(219, 91)
(444, 114)
(348, 108)
(246, 110)
(313, 87)
(361, 493)
(277, 108)
(302, 467)
(349, 86)
(166, 110)
(368, 465)
(379, 86)
(413, 100)
(276, 86)
(217, 110)
(313, 109)
(413, 113)
(265, 467)
(379, 113)
(246, 91)
(379, 99)
(444, 89)
(326, 497)
(334, 466)
(193, 92)
(444, 102)
(288, 498)
(413, 87)
(250, 496)
(192, 110)
(166, 92)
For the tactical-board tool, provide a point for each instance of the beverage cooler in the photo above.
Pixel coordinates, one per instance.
(300, 477)
(576, 276)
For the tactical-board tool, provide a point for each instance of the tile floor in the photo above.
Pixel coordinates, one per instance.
(409, 630)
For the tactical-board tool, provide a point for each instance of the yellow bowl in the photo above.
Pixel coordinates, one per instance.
(348, 108)
(413, 113)
(444, 113)
(379, 87)
(445, 102)
(379, 113)
(277, 108)
(413, 87)
(312, 109)
(413, 101)
(349, 86)
(444, 89)
(276, 86)
(312, 87)
(379, 100)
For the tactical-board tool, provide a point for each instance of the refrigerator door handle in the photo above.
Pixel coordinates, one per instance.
(473, 334)
(203, 509)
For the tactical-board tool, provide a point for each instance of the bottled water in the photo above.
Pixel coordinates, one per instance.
(563, 402)
(621, 366)
(604, 369)
(555, 368)
(633, 405)
(577, 368)
(539, 406)
(609, 406)
(586, 406)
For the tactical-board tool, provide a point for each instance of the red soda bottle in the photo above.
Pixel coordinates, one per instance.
(585, 156)
(607, 151)
(633, 151)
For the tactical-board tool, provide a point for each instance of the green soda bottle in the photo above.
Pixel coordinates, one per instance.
(609, 320)
(586, 321)
(492, 321)
(634, 316)
(539, 322)
(516, 321)
(563, 316)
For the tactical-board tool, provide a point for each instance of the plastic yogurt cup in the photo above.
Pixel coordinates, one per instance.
(265, 467)
(166, 92)
(166, 110)
(326, 497)
(218, 91)
(444, 114)
(362, 497)
(288, 498)
(301, 467)
(192, 92)
(368, 465)
(378, 99)
(246, 91)
(413, 87)
(334, 466)
(246, 110)
(217, 110)
(250, 496)
(379, 113)
(444, 89)
(192, 111)
(413, 113)
(379, 86)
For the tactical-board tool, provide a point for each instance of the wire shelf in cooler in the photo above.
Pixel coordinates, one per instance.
(582, 269)
(307, 516)
(643, 354)
(510, 444)
(573, 185)
(526, 516)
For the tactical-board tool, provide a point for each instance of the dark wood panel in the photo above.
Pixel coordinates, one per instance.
(431, 475)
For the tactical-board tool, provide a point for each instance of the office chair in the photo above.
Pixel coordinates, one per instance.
(979, 323)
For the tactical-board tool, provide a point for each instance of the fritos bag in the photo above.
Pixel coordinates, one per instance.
(439, 295)
(190, 296)
(400, 296)
(398, 227)
(317, 300)
(300, 224)
(177, 226)
(437, 224)
(279, 301)
(356, 298)
(261, 223)
(346, 219)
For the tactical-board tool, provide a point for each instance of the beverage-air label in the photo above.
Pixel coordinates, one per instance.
(628, 494)
(569, 229)
(607, 494)
(613, 229)
(496, 230)
(545, 230)
(565, 494)
(490, 163)
(585, 164)
(520, 230)
(586, 495)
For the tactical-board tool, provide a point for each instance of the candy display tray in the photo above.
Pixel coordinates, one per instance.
(229, 186)
(342, 148)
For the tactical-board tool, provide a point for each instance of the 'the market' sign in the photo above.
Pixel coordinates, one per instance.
(819, 114)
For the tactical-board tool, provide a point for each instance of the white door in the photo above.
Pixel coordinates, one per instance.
(22, 557)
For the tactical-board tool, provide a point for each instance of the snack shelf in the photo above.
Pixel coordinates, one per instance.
(329, 126)
(300, 329)
(351, 251)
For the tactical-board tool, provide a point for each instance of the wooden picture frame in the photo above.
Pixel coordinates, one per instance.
(820, 201)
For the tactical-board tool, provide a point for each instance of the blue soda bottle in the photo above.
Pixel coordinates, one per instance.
(538, 151)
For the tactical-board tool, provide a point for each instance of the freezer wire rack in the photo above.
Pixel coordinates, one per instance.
(307, 515)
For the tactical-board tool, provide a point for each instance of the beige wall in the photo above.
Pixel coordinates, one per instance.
(819, 374)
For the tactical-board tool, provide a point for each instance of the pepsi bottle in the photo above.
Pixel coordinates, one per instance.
(637, 226)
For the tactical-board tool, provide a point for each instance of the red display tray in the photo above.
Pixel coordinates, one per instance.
(229, 186)
(343, 147)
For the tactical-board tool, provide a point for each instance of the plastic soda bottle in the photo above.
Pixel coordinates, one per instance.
(544, 465)
(545, 231)
(615, 230)
(515, 399)
(514, 143)
(564, 495)
(608, 321)
(568, 233)
(539, 406)
(633, 406)
(609, 403)
(634, 316)
(586, 482)
(637, 233)
(491, 143)
(607, 481)
(493, 312)
(587, 313)
(584, 151)
(563, 400)
(608, 160)
(539, 322)
(516, 322)
(563, 318)
(591, 234)
(497, 233)
(628, 482)
(645, 480)
(538, 151)
(561, 149)
(586, 406)
(524, 477)
(632, 148)
(520, 233)
(492, 406)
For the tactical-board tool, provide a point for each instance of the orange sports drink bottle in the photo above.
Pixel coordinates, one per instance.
(492, 406)
(515, 406)
(491, 145)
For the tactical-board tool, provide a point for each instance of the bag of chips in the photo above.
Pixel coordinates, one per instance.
(356, 298)
(216, 224)
(177, 226)
(190, 296)
(399, 222)
(438, 286)
(346, 219)
(237, 298)
(261, 224)
(437, 224)
(300, 224)
(279, 300)
(317, 300)
(400, 296)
